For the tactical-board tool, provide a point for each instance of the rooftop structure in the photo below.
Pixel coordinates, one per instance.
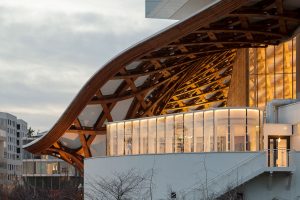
(219, 87)
(207, 60)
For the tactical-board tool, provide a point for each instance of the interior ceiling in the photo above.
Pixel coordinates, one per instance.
(186, 67)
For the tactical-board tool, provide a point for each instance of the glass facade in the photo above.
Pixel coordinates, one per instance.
(223, 129)
(272, 73)
(47, 168)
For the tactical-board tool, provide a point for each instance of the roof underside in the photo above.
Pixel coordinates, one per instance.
(186, 67)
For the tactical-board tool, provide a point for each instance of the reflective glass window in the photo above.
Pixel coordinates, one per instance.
(238, 129)
(253, 130)
(272, 73)
(144, 136)
(135, 136)
(221, 129)
(188, 132)
(113, 139)
(198, 132)
(121, 137)
(179, 133)
(208, 131)
(260, 130)
(128, 138)
(152, 135)
(170, 134)
(161, 135)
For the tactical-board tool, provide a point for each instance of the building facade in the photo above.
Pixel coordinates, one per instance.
(44, 171)
(207, 105)
(12, 131)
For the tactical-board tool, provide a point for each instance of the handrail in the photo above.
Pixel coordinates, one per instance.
(242, 163)
(236, 166)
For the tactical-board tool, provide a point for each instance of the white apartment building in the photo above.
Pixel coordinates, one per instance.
(12, 130)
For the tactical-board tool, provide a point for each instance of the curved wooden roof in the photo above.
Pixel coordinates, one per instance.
(185, 67)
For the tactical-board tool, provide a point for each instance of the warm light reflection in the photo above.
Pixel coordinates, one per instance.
(225, 129)
(272, 73)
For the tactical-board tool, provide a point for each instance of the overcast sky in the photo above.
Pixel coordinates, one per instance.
(49, 49)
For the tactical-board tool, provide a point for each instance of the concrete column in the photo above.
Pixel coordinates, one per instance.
(298, 66)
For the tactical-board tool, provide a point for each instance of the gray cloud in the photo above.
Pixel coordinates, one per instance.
(47, 55)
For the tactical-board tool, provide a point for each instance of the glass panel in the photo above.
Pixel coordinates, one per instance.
(270, 59)
(152, 135)
(170, 134)
(128, 138)
(252, 61)
(198, 132)
(252, 90)
(294, 85)
(261, 93)
(238, 129)
(113, 139)
(261, 140)
(288, 61)
(271, 73)
(282, 152)
(279, 58)
(135, 137)
(121, 138)
(179, 133)
(109, 141)
(208, 131)
(161, 135)
(279, 86)
(253, 130)
(261, 61)
(221, 128)
(288, 86)
(188, 132)
(294, 55)
(270, 88)
(144, 137)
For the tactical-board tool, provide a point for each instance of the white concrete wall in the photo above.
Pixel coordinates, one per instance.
(182, 172)
(175, 9)
(295, 138)
(289, 114)
(259, 188)
(276, 130)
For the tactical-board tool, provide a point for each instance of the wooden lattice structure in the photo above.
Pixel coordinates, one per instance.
(186, 67)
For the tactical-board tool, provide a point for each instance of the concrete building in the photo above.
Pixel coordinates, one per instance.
(207, 106)
(12, 131)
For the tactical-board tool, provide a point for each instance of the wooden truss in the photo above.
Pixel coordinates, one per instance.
(188, 67)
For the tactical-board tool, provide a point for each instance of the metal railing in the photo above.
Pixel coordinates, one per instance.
(280, 157)
(243, 171)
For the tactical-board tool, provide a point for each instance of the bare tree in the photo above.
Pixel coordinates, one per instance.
(128, 185)
(70, 191)
(232, 193)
